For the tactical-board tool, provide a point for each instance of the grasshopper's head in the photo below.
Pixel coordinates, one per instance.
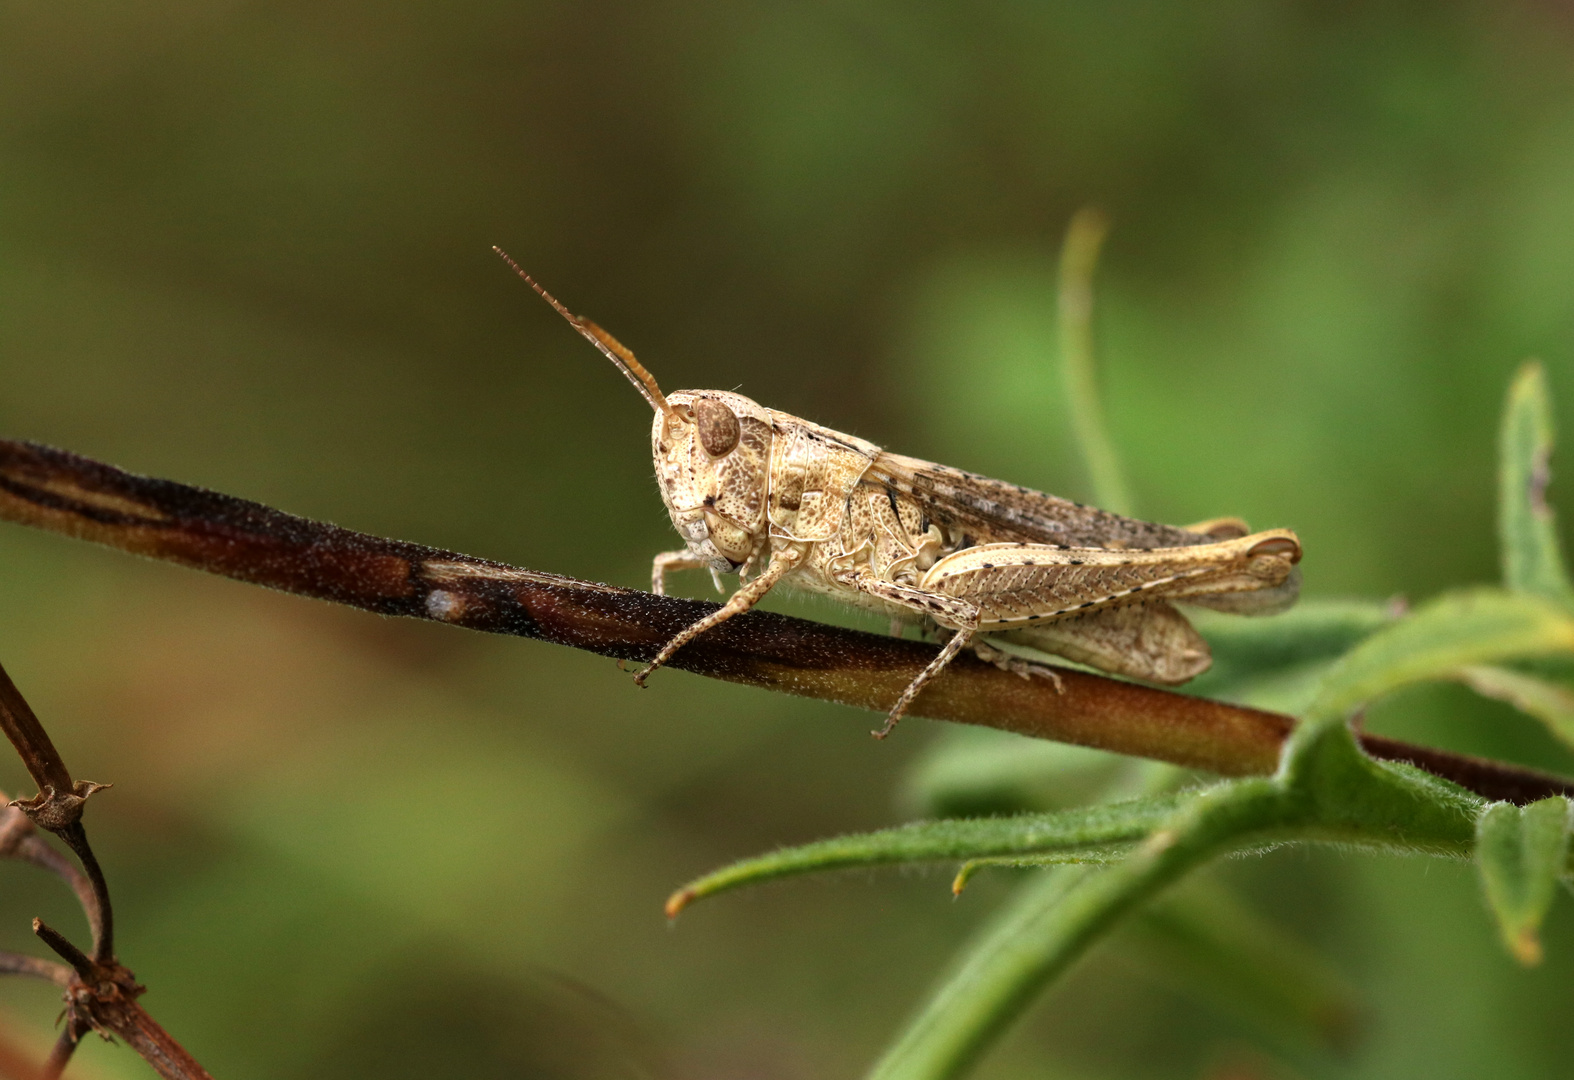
(713, 462)
(712, 450)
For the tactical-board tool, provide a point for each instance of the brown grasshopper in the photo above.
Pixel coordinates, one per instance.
(778, 499)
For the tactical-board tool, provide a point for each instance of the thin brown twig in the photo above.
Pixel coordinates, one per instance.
(75, 837)
(57, 807)
(12, 963)
(80, 961)
(100, 993)
(65, 1046)
(19, 840)
(77, 496)
(58, 803)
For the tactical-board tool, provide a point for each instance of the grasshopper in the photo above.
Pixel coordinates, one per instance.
(974, 561)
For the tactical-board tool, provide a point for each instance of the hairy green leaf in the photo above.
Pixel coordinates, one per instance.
(1547, 701)
(1313, 630)
(1532, 556)
(974, 772)
(999, 971)
(1052, 920)
(1454, 631)
(1216, 946)
(1086, 834)
(1521, 852)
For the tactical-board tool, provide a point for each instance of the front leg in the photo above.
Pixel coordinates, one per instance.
(783, 560)
(672, 560)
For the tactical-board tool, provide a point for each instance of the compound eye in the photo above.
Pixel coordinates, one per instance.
(719, 429)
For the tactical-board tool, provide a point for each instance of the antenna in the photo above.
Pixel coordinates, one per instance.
(609, 346)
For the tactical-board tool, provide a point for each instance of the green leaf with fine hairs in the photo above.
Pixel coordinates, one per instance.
(1019, 949)
(1547, 701)
(1214, 946)
(1051, 921)
(1087, 834)
(1532, 556)
(1278, 663)
(1521, 852)
(1312, 630)
(972, 772)
(1454, 631)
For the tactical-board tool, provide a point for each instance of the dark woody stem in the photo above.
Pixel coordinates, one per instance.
(104, 926)
(65, 493)
(79, 960)
(32, 742)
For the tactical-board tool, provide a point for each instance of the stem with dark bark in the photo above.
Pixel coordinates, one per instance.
(66, 493)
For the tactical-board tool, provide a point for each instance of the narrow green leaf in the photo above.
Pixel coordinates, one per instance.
(1093, 833)
(1078, 258)
(1052, 920)
(1532, 555)
(999, 971)
(1457, 630)
(1547, 701)
(1521, 852)
(1216, 947)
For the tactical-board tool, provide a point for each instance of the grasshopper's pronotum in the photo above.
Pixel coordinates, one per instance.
(776, 498)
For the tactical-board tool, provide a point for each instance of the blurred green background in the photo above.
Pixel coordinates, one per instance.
(245, 245)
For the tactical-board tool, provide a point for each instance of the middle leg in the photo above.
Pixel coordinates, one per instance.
(960, 616)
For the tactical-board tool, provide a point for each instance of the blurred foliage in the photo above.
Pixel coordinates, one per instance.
(247, 246)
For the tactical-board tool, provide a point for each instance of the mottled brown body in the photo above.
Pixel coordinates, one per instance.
(976, 561)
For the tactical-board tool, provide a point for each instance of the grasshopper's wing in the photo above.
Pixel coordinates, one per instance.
(1018, 585)
(1150, 641)
(974, 509)
(1110, 608)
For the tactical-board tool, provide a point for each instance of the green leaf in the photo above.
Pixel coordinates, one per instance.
(1457, 630)
(1285, 690)
(1086, 834)
(1053, 919)
(1218, 948)
(973, 772)
(1312, 630)
(1078, 258)
(1521, 853)
(1547, 701)
(998, 972)
(1278, 663)
(1532, 556)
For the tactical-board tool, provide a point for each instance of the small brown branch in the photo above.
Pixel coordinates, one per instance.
(60, 1055)
(21, 964)
(58, 808)
(19, 840)
(102, 997)
(80, 961)
(105, 1001)
(66, 493)
(32, 742)
(36, 851)
(100, 993)
(75, 837)
(59, 799)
